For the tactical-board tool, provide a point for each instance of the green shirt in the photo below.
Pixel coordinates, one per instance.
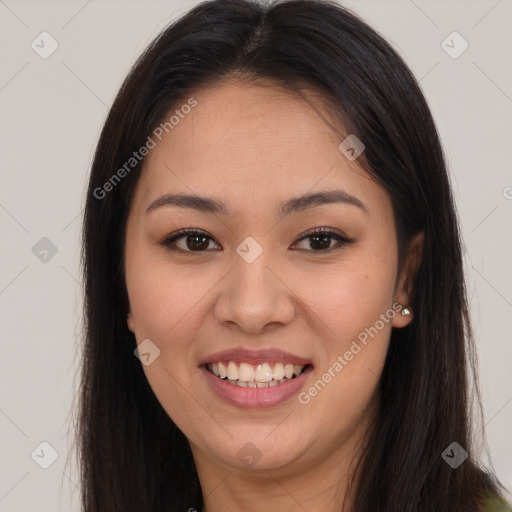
(496, 504)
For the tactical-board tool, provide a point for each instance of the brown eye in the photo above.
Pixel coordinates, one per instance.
(194, 241)
(320, 239)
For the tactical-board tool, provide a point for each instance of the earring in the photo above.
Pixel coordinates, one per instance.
(406, 311)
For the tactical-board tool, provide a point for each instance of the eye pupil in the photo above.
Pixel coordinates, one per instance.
(325, 241)
(200, 246)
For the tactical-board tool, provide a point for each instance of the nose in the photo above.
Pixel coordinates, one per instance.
(254, 297)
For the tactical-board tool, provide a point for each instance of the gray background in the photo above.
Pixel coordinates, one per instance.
(52, 111)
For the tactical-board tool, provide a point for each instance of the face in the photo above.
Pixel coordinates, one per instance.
(254, 281)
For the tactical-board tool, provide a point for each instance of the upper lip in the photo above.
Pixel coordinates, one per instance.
(268, 355)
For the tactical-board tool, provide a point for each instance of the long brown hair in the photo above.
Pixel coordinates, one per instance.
(132, 456)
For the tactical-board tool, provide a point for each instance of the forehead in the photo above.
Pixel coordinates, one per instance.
(250, 144)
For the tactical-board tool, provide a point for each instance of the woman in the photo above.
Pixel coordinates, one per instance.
(276, 314)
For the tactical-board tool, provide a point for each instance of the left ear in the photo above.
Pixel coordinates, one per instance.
(404, 289)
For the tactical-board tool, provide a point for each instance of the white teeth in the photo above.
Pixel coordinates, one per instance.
(246, 372)
(255, 384)
(261, 375)
(232, 371)
(278, 372)
(288, 371)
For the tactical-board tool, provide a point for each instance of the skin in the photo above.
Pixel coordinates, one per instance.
(252, 147)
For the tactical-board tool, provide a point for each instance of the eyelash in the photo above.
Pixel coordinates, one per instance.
(170, 240)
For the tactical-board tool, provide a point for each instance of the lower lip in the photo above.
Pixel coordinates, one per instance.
(255, 397)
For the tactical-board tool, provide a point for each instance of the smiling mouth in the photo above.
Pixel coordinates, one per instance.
(256, 376)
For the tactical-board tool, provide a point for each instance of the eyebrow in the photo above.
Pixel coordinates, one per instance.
(298, 204)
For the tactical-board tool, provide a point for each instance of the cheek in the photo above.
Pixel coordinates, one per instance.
(353, 312)
(349, 297)
(162, 296)
(165, 304)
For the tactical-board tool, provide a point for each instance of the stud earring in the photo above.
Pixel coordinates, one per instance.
(406, 311)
